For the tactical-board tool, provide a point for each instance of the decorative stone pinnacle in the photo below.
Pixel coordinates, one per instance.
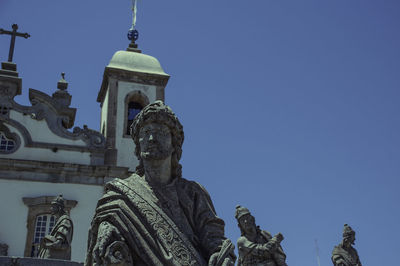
(62, 83)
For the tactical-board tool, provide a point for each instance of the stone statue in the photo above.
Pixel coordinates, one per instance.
(3, 249)
(155, 216)
(344, 254)
(257, 247)
(57, 245)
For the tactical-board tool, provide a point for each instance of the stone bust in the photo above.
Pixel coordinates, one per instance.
(155, 216)
(57, 245)
(257, 247)
(344, 254)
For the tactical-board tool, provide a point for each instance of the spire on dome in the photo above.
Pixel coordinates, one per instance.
(133, 34)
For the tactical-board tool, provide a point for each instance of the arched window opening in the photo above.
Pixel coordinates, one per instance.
(6, 144)
(133, 109)
(43, 225)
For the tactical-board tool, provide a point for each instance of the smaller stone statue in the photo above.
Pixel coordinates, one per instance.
(3, 249)
(344, 254)
(57, 245)
(257, 247)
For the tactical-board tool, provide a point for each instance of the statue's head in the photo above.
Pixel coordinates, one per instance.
(349, 235)
(246, 221)
(159, 120)
(57, 205)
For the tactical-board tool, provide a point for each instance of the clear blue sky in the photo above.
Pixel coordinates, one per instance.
(290, 108)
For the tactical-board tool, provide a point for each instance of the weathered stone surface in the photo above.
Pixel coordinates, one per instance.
(57, 245)
(344, 254)
(257, 247)
(156, 217)
(16, 261)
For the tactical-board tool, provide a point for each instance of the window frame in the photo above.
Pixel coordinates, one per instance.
(11, 136)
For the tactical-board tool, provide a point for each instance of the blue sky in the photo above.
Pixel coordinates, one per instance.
(290, 108)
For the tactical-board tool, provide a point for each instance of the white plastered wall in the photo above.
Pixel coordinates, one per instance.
(42, 154)
(39, 130)
(14, 213)
(104, 111)
(125, 146)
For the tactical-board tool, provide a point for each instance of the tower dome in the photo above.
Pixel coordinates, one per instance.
(136, 62)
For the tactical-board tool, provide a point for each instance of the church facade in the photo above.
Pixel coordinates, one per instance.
(43, 155)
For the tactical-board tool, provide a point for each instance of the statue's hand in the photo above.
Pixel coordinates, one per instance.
(54, 245)
(227, 261)
(213, 259)
(107, 233)
(225, 256)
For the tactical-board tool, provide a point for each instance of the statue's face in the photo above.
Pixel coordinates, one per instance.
(248, 223)
(350, 239)
(54, 209)
(155, 141)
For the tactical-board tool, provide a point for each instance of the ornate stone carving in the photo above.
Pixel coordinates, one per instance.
(257, 247)
(93, 138)
(7, 91)
(58, 118)
(156, 217)
(344, 254)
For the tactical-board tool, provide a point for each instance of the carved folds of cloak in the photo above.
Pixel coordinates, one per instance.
(174, 224)
(63, 229)
(347, 257)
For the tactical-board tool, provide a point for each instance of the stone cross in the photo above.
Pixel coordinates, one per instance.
(13, 34)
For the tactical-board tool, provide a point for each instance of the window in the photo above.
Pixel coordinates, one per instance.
(135, 101)
(6, 144)
(43, 226)
(133, 109)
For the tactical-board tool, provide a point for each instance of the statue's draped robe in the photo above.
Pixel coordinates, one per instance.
(346, 256)
(258, 254)
(174, 224)
(63, 230)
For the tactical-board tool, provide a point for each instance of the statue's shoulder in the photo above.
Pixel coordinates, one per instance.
(192, 187)
(338, 250)
(241, 241)
(65, 220)
(116, 182)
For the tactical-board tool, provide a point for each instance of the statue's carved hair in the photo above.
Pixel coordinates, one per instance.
(158, 112)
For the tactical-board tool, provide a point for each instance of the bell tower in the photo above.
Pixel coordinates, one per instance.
(131, 81)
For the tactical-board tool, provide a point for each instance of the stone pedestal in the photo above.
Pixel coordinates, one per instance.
(17, 261)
